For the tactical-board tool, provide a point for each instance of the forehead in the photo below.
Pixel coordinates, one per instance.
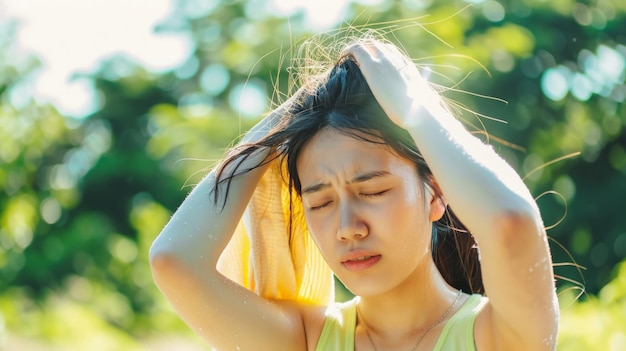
(332, 153)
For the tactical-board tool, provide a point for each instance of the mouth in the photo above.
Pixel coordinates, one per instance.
(362, 258)
(360, 262)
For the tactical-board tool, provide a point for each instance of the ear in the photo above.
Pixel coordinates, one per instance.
(437, 202)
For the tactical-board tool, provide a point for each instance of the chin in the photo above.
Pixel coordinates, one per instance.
(365, 286)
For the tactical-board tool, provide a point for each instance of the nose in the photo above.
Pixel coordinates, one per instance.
(351, 225)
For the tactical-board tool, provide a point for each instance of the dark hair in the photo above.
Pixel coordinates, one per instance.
(344, 102)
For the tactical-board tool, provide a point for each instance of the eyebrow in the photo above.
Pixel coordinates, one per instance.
(358, 179)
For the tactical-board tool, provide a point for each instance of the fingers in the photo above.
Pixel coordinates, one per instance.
(370, 53)
(365, 54)
(372, 57)
(394, 79)
(363, 51)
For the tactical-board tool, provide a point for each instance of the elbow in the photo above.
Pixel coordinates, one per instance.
(519, 222)
(173, 278)
(164, 260)
(159, 255)
(167, 250)
(519, 229)
(170, 262)
(160, 261)
(163, 264)
(170, 273)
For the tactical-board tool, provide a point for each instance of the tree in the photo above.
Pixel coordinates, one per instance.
(82, 199)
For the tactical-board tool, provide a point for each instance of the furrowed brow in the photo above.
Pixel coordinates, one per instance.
(314, 188)
(358, 179)
(367, 176)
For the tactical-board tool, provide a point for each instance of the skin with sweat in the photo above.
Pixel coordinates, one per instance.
(370, 215)
(359, 207)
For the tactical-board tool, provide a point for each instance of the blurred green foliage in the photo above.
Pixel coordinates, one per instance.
(82, 200)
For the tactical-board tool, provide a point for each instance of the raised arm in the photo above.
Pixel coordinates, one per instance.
(486, 194)
(184, 256)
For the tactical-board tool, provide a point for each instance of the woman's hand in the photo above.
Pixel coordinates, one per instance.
(394, 80)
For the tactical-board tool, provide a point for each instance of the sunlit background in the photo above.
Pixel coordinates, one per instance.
(111, 110)
(73, 37)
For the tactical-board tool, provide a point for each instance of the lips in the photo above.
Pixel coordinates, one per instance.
(363, 258)
(360, 260)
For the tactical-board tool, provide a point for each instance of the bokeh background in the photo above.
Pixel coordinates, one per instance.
(93, 164)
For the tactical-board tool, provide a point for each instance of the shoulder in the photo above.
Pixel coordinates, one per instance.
(490, 333)
(484, 330)
(322, 321)
(459, 332)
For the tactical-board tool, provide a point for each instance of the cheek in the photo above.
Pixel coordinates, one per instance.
(411, 185)
(413, 192)
(407, 214)
(410, 198)
(412, 195)
(318, 231)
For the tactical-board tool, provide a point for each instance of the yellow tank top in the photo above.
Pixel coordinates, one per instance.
(457, 334)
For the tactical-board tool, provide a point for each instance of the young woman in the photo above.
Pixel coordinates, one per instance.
(377, 163)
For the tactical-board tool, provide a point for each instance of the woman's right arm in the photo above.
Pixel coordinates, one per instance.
(183, 259)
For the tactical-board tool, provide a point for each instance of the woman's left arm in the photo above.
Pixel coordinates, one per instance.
(486, 194)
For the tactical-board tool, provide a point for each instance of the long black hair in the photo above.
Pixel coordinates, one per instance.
(343, 101)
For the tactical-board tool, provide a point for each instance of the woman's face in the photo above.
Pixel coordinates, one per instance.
(367, 210)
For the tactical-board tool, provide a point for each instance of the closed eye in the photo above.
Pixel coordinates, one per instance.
(372, 195)
(365, 195)
(316, 208)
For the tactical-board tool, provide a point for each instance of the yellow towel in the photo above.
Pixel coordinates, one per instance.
(262, 257)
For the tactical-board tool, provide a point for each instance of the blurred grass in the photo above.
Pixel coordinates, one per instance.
(588, 323)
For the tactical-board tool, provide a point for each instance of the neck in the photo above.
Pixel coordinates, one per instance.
(409, 310)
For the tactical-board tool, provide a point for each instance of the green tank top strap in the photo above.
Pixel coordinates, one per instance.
(457, 334)
(339, 325)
